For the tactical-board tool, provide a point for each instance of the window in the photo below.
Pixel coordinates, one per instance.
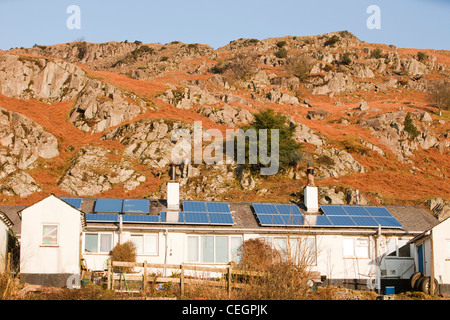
(145, 244)
(221, 249)
(91, 242)
(236, 243)
(356, 247)
(207, 249)
(49, 235)
(398, 248)
(98, 242)
(213, 249)
(192, 249)
(301, 250)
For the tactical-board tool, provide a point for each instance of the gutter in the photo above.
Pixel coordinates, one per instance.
(258, 230)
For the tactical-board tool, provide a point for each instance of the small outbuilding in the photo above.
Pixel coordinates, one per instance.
(432, 259)
(50, 242)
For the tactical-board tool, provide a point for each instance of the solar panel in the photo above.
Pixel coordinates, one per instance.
(333, 210)
(323, 221)
(378, 212)
(365, 221)
(194, 206)
(140, 218)
(102, 217)
(220, 218)
(196, 217)
(341, 221)
(270, 219)
(288, 209)
(356, 211)
(162, 215)
(217, 207)
(292, 220)
(388, 222)
(317, 221)
(74, 202)
(136, 206)
(108, 205)
(263, 208)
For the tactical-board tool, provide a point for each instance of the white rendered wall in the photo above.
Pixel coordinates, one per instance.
(63, 258)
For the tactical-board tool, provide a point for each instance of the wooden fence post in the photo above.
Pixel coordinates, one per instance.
(109, 274)
(182, 279)
(229, 280)
(144, 285)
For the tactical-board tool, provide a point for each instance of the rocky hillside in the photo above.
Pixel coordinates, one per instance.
(88, 119)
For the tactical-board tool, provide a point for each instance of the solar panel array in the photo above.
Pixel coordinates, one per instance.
(218, 213)
(335, 216)
(74, 202)
(278, 214)
(195, 212)
(213, 213)
(359, 216)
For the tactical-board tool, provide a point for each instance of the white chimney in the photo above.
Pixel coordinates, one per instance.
(311, 199)
(173, 196)
(311, 193)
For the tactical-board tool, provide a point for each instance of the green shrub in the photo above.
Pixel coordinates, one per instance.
(331, 41)
(377, 53)
(288, 148)
(410, 128)
(346, 59)
(281, 53)
(299, 66)
(281, 44)
(422, 56)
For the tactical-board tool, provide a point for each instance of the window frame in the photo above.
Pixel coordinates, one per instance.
(199, 253)
(144, 243)
(99, 236)
(289, 242)
(397, 244)
(46, 224)
(355, 247)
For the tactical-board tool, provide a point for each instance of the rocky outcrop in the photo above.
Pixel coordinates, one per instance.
(332, 83)
(333, 163)
(390, 131)
(277, 96)
(100, 106)
(339, 195)
(440, 207)
(228, 115)
(188, 97)
(19, 184)
(149, 141)
(38, 78)
(303, 133)
(94, 171)
(22, 143)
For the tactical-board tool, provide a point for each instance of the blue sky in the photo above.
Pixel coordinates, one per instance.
(404, 23)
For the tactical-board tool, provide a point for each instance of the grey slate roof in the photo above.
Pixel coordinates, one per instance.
(12, 212)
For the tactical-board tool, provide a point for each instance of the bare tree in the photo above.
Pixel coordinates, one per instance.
(440, 91)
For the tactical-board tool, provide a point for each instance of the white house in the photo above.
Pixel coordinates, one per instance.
(355, 246)
(432, 258)
(50, 242)
(359, 255)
